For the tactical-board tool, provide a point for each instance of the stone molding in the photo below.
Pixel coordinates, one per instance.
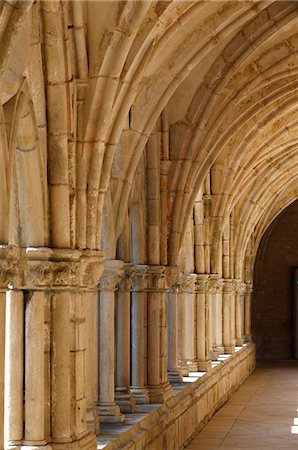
(249, 288)
(48, 268)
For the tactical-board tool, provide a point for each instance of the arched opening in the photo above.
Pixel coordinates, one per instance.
(272, 305)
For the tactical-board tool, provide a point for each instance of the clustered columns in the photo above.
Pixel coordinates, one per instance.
(107, 409)
(45, 345)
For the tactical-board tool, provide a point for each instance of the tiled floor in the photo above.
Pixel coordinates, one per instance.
(261, 415)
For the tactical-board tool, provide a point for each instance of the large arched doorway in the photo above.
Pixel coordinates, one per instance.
(272, 306)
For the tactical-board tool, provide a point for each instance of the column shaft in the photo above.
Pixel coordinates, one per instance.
(204, 363)
(2, 356)
(173, 369)
(124, 397)
(14, 366)
(247, 314)
(60, 367)
(107, 408)
(34, 368)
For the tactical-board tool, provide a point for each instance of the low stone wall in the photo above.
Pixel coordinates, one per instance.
(174, 424)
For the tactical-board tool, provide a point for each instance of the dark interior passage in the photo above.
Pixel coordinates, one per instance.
(272, 306)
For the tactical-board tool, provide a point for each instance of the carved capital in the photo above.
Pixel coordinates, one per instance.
(229, 285)
(172, 277)
(202, 283)
(215, 284)
(139, 279)
(240, 288)
(249, 289)
(156, 278)
(112, 275)
(188, 283)
(126, 282)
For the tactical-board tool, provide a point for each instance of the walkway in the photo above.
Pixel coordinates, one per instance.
(262, 414)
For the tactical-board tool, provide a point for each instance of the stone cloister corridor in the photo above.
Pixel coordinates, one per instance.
(148, 218)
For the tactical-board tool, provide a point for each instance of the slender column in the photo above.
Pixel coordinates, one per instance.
(210, 317)
(219, 319)
(107, 409)
(2, 356)
(182, 361)
(188, 286)
(159, 387)
(174, 373)
(138, 335)
(34, 368)
(91, 361)
(14, 367)
(60, 373)
(247, 313)
(123, 394)
(226, 300)
(233, 312)
(204, 363)
(240, 289)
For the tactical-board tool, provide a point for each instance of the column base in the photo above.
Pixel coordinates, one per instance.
(229, 349)
(239, 342)
(110, 413)
(160, 394)
(174, 376)
(183, 367)
(192, 366)
(140, 394)
(213, 356)
(92, 421)
(248, 338)
(220, 349)
(88, 442)
(204, 366)
(125, 400)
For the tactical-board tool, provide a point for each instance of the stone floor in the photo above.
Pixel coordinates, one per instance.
(262, 414)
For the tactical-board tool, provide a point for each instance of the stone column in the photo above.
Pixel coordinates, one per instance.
(229, 347)
(216, 291)
(123, 395)
(107, 409)
(60, 367)
(182, 362)
(240, 289)
(2, 356)
(211, 316)
(34, 369)
(91, 300)
(158, 384)
(14, 368)
(247, 312)
(174, 372)
(188, 287)
(139, 335)
(233, 312)
(204, 363)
